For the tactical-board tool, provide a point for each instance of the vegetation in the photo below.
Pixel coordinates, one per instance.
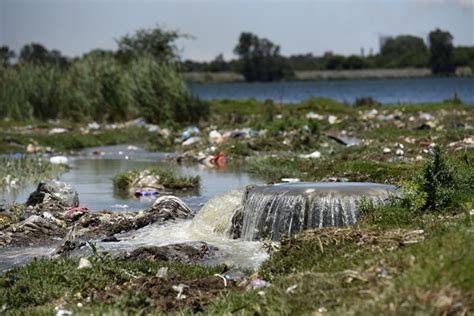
(169, 178)
(404, 51)
(141, 80)
(16, 171)
(260, 59)
(441, 47)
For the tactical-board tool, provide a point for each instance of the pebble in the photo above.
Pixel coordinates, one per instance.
(387, 150)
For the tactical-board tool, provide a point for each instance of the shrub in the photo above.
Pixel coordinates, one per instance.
(439, 182)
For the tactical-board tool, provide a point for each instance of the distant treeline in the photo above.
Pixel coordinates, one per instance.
(259, 59)
(139, 80)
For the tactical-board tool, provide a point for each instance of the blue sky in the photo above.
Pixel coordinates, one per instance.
(342, 26)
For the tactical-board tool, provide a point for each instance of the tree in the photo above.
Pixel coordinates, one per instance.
(38, 54)
(404, 51)
(260, 59)
(155, 42)
(6, 55)
(441, 48)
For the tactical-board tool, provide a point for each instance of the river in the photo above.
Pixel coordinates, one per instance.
(386, 91)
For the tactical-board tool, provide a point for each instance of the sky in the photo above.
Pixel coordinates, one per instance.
(313, 26)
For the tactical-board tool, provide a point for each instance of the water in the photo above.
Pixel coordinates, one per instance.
(386, 91)
(91, 175)
(289, 208)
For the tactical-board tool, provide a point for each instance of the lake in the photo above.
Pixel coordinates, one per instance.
(386, 91)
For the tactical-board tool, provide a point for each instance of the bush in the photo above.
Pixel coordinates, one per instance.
(439, 182)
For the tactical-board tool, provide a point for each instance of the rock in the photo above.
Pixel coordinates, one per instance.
(387, 150)
(165, 132)
(191, 252)
(31, 231)
(173, 205)
(53, 196)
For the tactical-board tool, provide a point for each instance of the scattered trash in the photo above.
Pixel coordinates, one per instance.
(471, 212)
(399, 152)
(122, 206)
(84, 263)
(258, 283)
(59, 160)
(290, 180)
(191, 140)
(235, 275)
(131, 147)
(222, 277)
(145, 193)
(322, 310)
(57, 130)
(189, 132)
(162, 272)
(218, 160)
(93, 126)
(387, 150)
(313, 155)
(291, 289)
(180, 289)
(61, 312)
(215, 137)
(75, 213)
(314, 116)
(332, 119)
(345, 140)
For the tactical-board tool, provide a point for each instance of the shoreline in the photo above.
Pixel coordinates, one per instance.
(308, 75)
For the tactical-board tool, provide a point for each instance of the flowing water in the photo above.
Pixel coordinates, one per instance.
(269, 210)
(288, 208)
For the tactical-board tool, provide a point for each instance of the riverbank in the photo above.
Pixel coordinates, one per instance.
(408, 256)
(304, 75)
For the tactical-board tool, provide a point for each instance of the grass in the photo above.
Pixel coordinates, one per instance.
(26, 169)
(273, 169)
(169, 178)
(16, 141)
(46, 283)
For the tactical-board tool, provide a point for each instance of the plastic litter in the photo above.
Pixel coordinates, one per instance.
(291, 289)
(313, 155)
(215, 137)
(191, 140)
(145, 193)
(290, 180)
(187, 133)
(84, 263)
(74, 213)
(180, 289)
(162, 272)
(59, 160)
(57, 130)
(61, 312)
(218, 160)
(332, 119)
(258, 283)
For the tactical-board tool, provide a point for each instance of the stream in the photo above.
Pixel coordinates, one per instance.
(91, 175)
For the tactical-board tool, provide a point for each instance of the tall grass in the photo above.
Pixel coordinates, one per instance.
(98, 88)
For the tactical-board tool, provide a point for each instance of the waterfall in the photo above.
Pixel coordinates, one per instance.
(289, 208)
(215, 217)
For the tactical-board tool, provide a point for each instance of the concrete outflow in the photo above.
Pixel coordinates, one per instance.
(288, 208)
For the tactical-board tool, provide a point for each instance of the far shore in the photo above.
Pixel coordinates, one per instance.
(228, 77)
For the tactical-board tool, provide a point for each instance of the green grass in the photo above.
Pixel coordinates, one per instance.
(27, 169)
(274, 169)
(169, 178)
(72, 140)
(43, 282)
